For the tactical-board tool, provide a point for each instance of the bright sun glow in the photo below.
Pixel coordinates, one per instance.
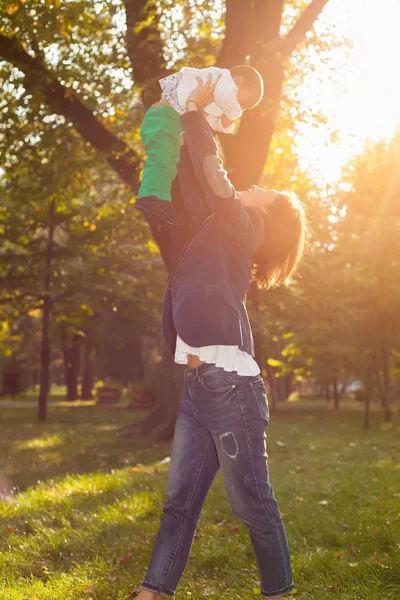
(366, 103)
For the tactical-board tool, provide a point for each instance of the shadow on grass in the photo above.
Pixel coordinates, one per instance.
(73, 440)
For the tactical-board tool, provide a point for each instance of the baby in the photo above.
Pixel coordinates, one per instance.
(239, 88)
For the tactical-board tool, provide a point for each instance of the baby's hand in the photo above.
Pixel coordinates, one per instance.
(203, 94)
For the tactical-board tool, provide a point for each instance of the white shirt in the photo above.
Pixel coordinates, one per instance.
(177, 88)
(230, 358)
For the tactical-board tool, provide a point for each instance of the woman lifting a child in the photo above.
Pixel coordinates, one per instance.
(254, 234)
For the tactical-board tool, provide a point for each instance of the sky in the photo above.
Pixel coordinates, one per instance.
(363, 100)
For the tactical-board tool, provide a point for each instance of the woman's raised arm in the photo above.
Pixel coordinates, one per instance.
(247, 224)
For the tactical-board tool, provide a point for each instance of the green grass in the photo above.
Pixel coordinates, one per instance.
(58, 393)
(85, 499)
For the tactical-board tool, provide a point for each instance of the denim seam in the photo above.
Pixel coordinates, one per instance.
(281, 591)
(189, 393)
(222, 391)
(238, 390)
(187, 508)
(252, 386)
(154, 589)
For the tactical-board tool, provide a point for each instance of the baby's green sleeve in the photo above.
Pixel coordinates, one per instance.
(160, 132)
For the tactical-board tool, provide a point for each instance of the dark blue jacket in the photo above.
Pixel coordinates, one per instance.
(205, 299)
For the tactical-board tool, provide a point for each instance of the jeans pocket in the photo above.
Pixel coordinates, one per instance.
(217, 381)
(260, 396)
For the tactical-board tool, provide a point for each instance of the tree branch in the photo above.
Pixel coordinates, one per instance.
(237, 30)
(63, 101)
(145, 47)
(119, 155)
(133, 12)
(304, 24)
(268, 52)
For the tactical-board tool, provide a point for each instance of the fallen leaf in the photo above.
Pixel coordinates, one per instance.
(125, 559)
(352, 551)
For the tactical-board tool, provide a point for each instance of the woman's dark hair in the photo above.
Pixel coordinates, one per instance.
(275, 262)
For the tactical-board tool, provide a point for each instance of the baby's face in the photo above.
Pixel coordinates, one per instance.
(243, 97)
(246, 95)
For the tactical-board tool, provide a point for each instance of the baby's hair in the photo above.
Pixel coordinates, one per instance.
(252, 80)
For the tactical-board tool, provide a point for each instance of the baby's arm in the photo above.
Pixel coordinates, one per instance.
(225, 122)
(222, 124)
(225, 96)
(160, 133)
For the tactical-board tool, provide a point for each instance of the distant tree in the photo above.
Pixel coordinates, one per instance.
(68, 250)
(343, 312)
(369, 242)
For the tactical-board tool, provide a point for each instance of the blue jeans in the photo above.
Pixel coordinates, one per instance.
(221, 423)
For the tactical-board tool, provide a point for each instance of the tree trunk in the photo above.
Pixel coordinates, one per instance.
(169, 394)
(383, 385)
(336, 395)
(72, 354)
(67, 364)
(75, 364)
(288, 384)
(246, 153)
(327, 391)
(46, 312)
(387, 385)
(160, 422)
(368, 398)
(87, 369)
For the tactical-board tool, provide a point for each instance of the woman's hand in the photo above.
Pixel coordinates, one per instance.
(203, 94)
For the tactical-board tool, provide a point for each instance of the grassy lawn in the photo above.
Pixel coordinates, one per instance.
(58, 393)
(86, 506)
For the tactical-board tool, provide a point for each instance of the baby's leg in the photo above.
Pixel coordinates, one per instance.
(160, 131)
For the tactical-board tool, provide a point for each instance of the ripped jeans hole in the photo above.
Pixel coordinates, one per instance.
(229, 444)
